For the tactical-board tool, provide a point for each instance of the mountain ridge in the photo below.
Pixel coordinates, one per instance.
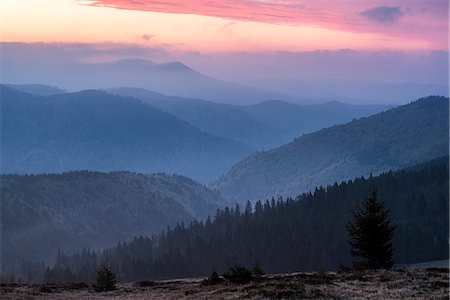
(99, 131)
(71, 210)
(264, 125)
(304, 233)
(397, 138)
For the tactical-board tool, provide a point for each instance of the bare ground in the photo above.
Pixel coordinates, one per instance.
(394, 284)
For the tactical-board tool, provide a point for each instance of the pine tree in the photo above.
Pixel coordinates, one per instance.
(371, 234)
(106, 280)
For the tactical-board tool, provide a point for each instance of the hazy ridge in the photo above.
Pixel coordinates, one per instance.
(263, 125)
(397, 138)
(94, 130)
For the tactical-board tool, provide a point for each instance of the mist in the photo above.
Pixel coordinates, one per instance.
(363, 77)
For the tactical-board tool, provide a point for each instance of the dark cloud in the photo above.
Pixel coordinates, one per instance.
(383, 14)
(147, 37)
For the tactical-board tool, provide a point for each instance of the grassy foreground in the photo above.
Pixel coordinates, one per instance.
(431, 283)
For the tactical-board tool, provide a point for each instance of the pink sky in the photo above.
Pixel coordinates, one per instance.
(233, 25)
(408, 19)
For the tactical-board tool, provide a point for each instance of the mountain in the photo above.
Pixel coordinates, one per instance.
(262, 126)
(291, 235)
(226, 120)
(293, 120)
(171, 78)
(37, 89)
(95, 130)
(41, 213)
(397, 138)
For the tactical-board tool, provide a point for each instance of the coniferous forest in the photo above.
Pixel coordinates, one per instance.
(244, 149)
(281, 235)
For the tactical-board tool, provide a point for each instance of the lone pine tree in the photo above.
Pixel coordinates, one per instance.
(106, 280)
(371, 232)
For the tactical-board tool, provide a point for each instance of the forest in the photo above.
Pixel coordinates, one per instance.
(281, 235)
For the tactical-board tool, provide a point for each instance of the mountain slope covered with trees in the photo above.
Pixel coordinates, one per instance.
(302, 234)
(394, 139)
(41, 213)
(262, 126)
(93, 130)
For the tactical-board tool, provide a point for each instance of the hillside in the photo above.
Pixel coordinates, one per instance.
(262, 126)
(397, 138)
(37, 89)
(41, 213)
(226, 120)
(95, 130)
(302, 234)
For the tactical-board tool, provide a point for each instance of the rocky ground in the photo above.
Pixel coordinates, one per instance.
(395, 284)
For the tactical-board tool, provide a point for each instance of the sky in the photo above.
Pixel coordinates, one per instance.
(249, 41)
(233, 25)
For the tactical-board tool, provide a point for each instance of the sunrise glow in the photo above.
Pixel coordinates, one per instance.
(212, 26)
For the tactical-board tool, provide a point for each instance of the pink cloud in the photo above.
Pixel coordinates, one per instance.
(413, 19)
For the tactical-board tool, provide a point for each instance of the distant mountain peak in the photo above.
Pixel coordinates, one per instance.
(135, 61)
(178, 66)
(273, 102)
(167, 66)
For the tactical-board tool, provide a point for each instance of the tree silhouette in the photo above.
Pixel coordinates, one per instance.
(371, 234)
(106, 280)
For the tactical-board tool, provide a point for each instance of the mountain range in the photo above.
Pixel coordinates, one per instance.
(94, 130)
(171, 78)
(393, 139)
(285, 235)
(261, 126)
(69, 211)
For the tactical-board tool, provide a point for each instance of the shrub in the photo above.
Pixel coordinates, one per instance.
(145, 283)
(212, 279)
(106, 280)
(258, 272)
(45, 289)
(238, 274)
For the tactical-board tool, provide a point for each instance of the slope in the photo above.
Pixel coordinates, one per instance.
(303, 234)
(393, 139)
(41, 213)
(37, 89)
(98, 131)
(262, 126)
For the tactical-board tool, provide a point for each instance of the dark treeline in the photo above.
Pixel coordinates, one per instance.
(302, 234)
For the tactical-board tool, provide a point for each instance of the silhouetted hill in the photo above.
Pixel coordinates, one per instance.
(41, 213)
(262, 126)
(393, 139)
(95, 130)
(37, 89)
